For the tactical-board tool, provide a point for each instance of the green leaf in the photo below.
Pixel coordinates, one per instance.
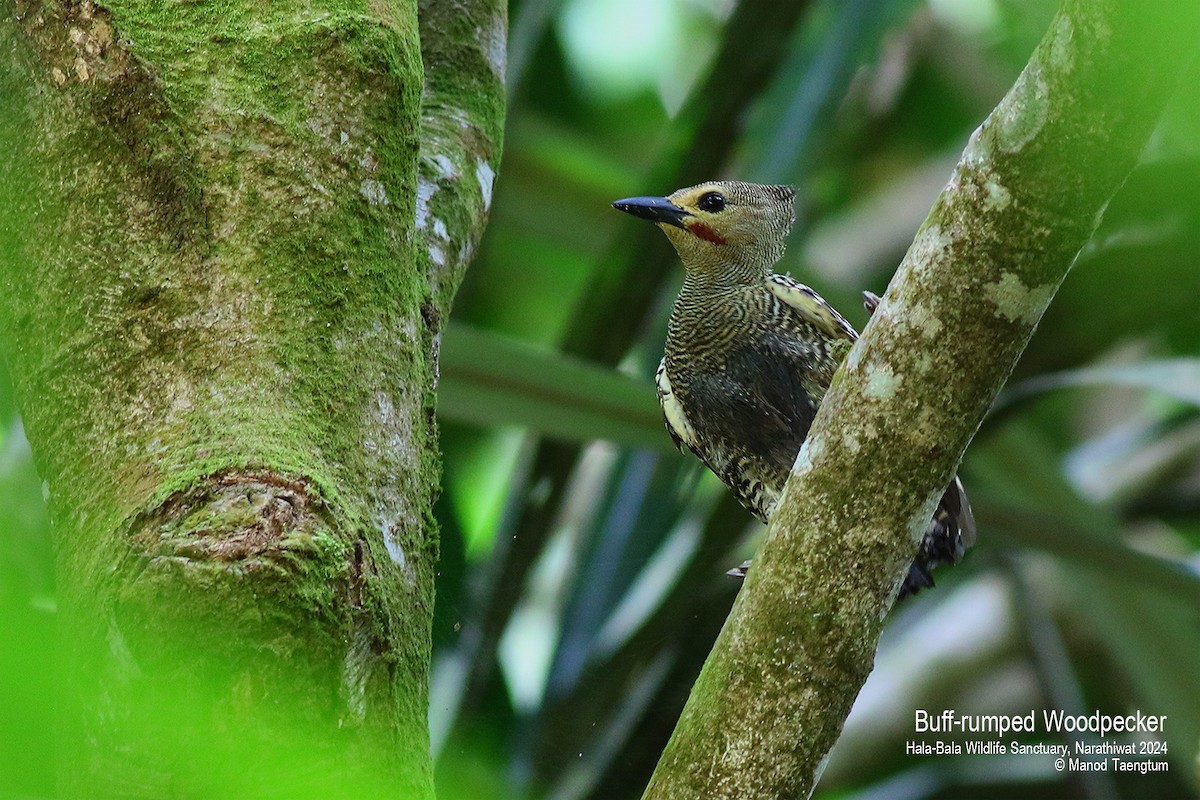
(491, 380)
(1176, 377)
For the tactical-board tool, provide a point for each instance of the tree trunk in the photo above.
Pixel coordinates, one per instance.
(230, 234)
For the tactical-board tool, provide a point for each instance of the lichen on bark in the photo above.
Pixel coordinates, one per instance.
(222, 327)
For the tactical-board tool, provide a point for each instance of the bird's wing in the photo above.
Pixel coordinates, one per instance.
(757, 406)
(956, 505)
(678, 425)
(811, 307)
(755, 416)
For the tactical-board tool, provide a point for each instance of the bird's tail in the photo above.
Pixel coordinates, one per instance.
(950, 533)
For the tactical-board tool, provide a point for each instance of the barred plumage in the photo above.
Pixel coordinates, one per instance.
(750, 353)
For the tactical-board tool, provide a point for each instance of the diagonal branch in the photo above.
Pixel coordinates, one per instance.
(1025, 196)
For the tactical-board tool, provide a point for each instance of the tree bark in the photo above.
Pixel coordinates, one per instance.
(1027, 193)
(230, 234)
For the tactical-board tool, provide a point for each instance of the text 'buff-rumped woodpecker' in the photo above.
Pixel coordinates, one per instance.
(750, 353)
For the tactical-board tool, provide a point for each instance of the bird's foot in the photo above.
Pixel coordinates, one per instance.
(871, 301)
(740, 570)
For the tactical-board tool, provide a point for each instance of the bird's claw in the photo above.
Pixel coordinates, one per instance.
(739, 571)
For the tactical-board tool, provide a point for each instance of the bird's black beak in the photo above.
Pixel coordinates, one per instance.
(655, 209)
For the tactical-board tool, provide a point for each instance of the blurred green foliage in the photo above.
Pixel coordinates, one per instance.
(582, 575)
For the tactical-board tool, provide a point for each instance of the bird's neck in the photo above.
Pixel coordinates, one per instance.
(710, 309)
(712, 281)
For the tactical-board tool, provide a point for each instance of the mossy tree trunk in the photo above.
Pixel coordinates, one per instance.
(229, 234)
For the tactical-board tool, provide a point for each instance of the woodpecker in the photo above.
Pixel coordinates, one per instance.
(750, 353)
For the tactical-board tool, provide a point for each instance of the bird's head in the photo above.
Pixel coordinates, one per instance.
(718, 224)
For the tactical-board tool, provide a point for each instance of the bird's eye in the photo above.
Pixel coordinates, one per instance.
(712, 202)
